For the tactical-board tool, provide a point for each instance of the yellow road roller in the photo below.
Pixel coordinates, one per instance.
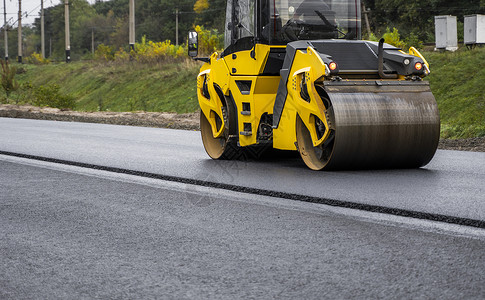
(295, 75)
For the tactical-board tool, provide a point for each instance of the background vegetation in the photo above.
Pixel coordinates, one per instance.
(163, 87)
(415, 18)
(458, 82)
(108, 21)
(169, 86)
(158, 76)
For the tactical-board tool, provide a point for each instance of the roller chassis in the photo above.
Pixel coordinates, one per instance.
(336, 119)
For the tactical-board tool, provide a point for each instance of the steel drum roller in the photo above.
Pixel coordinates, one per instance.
(391, 126)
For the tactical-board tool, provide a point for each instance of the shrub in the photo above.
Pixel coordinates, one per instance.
(121, 55)
(104, 52)
(149, 51)
(24, 93)
(37, 59)
(412, 40)
(145, 52)
(156, 52)
(394, 38)
(372, 37)
(49, 95)
(209, 40)
(9, 83)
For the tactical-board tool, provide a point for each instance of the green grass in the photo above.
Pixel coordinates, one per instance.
(121, 87)
(457, 81)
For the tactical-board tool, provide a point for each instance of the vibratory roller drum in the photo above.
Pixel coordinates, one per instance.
(395, 125)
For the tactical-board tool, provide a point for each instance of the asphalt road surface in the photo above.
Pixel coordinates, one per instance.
(70, 232)
(451, 185)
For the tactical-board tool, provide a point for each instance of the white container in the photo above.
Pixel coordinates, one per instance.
(474, 29)
(446, 33)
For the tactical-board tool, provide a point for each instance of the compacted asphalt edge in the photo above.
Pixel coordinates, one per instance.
(262, 192)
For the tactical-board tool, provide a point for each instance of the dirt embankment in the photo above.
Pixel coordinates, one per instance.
(164, 120)
(147, 119)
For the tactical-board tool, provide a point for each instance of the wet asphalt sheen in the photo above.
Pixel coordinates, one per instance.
(68, 235)
(451, 185)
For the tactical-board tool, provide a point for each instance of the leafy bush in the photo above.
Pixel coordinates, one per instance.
(209, 40)
(37, 59)
(145, 52)
(149, 52)
(412, 40)
(157, 51)
(201, 5)
(394, 38)
(371, 37)
(49, 95)
(122, 55)
(104, 52)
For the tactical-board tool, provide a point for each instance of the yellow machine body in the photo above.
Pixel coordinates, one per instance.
(260, 97)
(221, 76)
(312, 86)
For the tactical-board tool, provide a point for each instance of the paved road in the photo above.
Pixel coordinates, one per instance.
(451, 185)
(74, 233)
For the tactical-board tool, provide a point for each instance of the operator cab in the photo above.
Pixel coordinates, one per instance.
(278, 22)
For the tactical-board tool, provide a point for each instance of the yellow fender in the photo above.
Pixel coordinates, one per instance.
(211, 106)
(308, 67)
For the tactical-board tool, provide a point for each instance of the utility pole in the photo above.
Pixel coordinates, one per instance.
(5, 29)
(66, 19)
(176, 27)
(19, 35)
(365, 13)
(42, 38)
(132, 24)
(92, 40)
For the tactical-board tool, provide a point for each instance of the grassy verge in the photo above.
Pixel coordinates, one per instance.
(119, 87)
(457, 81)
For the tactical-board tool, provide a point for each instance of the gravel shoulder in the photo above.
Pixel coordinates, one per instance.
(148, 119)
(165, 120)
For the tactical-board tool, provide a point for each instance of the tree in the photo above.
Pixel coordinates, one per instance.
(80, 12)
(201, 5)
(417, 17)
(154, 19)
(214, 16)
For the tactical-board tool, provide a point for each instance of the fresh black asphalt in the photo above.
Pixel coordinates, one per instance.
(65, 235)
(451, 185)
